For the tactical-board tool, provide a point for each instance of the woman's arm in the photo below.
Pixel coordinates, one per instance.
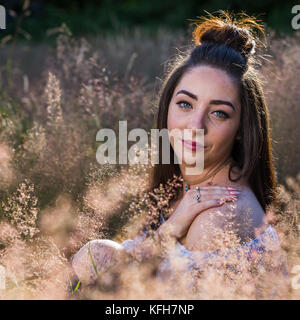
(180, 221)
(207, 232)
(226, 225)
(155, 244)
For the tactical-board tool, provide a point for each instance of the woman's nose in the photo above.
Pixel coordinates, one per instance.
(197, 121)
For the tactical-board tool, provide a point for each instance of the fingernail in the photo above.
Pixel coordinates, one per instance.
(232, 198)
(234, 192)
(221, 201)
(231, 188)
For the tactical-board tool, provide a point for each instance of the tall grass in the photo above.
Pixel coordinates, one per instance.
(54, 195)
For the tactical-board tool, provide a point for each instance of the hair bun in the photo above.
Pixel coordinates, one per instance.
(236, 32)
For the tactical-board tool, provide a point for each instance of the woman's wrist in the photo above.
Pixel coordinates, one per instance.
(167, 238)
(168, 232)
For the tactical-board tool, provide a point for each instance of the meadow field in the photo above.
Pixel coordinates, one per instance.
(54, 195)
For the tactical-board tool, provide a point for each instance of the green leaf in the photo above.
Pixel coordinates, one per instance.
(77, 286)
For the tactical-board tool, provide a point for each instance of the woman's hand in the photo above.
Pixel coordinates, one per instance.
(188, 209)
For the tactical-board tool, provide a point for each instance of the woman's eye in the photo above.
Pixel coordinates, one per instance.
(183, 105)
(223, 114)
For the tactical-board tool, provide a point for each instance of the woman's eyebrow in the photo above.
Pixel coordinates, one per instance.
(217, 102)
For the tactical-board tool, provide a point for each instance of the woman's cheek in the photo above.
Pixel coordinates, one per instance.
(172, 120)
(222, 141)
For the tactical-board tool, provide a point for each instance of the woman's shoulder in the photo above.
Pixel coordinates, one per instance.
(241, 218)
(249, 214)
(250, 211)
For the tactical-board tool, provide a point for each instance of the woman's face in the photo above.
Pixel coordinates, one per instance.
(205, 98)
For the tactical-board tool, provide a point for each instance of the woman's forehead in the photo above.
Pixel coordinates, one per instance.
(200, 79)
(208, 82)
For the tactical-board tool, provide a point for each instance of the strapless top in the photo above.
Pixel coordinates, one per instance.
(266, 242)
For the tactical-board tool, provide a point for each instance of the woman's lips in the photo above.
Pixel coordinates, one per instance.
(193, 145)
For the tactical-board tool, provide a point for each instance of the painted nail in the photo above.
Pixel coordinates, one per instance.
(234, 192)
(231, 198)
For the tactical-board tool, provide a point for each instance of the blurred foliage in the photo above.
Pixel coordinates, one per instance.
(112, 16)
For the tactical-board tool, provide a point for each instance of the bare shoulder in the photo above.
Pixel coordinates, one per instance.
(249, 207)
(235, 219)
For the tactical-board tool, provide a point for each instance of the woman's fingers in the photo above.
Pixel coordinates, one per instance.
(189, 207)
(207, 201)
(203, 205)
(204, 195)
(217, 190)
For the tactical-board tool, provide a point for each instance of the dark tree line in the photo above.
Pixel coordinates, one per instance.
(92, 16)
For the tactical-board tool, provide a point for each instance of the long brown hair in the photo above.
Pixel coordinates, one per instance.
(228, 43)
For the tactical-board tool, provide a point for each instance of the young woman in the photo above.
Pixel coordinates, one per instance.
(215, 87)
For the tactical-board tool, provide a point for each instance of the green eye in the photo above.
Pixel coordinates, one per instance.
(224, 115)
(183, 104)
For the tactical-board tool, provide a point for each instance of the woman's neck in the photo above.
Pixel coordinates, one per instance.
(213, 175)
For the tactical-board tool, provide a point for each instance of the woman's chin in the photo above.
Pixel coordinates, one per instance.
(192, 161)
(194, 155)
(190, 157)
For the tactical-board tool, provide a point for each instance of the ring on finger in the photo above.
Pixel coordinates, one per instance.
(198, 195)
